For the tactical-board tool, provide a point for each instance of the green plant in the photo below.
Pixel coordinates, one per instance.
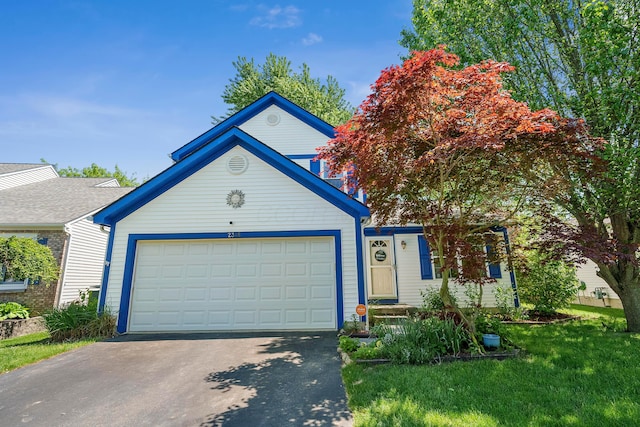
(432, 301)
(417, 341)
(348, 344)
(13, 310)
(351, 326)
(23, 258)
(367, 352)
(79, 319)
(546, 284)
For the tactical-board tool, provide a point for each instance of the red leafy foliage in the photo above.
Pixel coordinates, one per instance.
(449, 149)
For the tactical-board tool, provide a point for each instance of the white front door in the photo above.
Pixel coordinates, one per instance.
(382, 275)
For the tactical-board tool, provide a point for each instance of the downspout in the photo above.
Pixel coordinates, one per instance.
(63, 263)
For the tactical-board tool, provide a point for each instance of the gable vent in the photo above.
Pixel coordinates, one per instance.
(237, 164)
(273, 119)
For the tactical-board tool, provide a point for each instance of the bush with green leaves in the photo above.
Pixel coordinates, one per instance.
(13, 310)
(417, 341)
(348, 344)
(24, 258)
(79, 319)
(547, 284)
(368, 351)
(432, 301)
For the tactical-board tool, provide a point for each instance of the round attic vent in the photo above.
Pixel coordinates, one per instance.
(273, 119)
(237, 164)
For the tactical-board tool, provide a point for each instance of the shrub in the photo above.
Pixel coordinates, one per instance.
(23, 258)
(421, 341)
(432, 301)
(348, 344)
(79, 320)
(367, 352)
(547, 285)
(13, 310)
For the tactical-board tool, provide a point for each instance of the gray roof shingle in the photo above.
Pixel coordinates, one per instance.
(55, 201)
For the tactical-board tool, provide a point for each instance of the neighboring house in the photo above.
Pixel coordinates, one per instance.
(35, 202)
(597, 292)
(246, 232)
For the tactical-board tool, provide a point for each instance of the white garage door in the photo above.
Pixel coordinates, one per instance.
(234, 284)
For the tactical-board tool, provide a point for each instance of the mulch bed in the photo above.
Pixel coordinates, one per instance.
(462, 357)
(537, 318)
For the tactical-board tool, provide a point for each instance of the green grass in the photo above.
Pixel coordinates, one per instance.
(574, 374)
(21, 351)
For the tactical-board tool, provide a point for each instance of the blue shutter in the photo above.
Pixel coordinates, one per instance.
(426, 271)
(315, 166)
(494, 269)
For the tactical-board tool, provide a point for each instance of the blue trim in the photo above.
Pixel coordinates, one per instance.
(207, 154)
(314, 167)
(272, 98)
(105, 272)
(426, 270)
(127, 280)
(362, 296)
(388, 231)
(301, 156)
(512, 275)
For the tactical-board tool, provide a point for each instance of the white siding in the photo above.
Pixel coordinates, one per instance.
(28, 176)
(273, 202)
(110, 183)
(289, 136)
(410, 282)
(84, 260)
(587, 274)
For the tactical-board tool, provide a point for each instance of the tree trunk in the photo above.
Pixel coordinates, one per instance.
(623, 278)
(630, 298)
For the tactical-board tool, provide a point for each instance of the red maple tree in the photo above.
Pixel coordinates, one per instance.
(450, 150)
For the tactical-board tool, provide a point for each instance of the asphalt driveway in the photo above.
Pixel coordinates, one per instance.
(183, 380)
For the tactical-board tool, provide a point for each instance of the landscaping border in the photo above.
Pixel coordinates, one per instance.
(12, 328)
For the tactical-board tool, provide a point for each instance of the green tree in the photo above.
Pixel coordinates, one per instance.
(23, 258)
(252, 81)
(95, 171)
(581, 58)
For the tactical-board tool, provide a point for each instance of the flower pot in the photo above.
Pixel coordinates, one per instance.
(491, 340)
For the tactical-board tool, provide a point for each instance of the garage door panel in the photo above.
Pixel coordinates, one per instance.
(246, 270)
(251, 284)
(245, 294)
(270, 293)
(222, 294)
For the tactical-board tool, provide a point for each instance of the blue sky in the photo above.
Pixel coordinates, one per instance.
(127, 82)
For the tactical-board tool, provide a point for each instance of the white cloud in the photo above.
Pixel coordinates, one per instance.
(277, 17)
(312, 38)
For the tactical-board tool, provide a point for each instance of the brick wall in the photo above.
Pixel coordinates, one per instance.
(42, 297)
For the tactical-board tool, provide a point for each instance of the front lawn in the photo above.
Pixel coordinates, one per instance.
(21, 351)
(581, 373)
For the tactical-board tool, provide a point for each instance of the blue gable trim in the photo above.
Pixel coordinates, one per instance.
(210, 152)
(127, 283)
(272, 98)
(301, 156)
(388, 231)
